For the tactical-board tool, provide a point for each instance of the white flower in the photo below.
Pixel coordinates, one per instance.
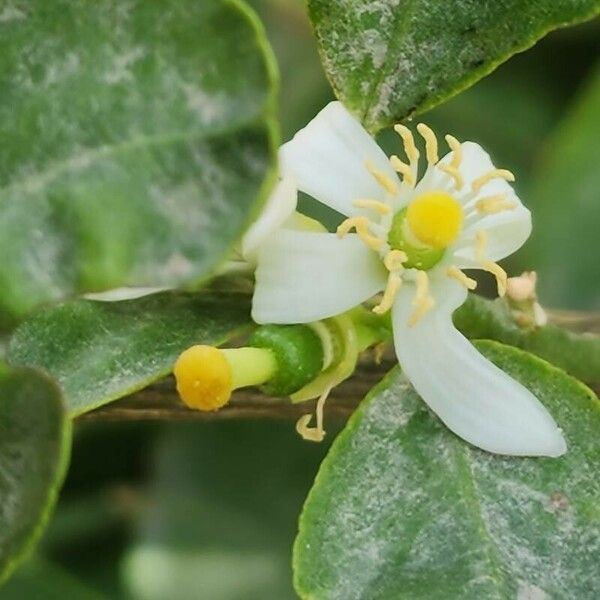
(412, 239)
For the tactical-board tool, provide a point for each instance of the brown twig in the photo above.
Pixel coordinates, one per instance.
(161, 402)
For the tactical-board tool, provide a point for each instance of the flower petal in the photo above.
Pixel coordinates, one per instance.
(507, 230)
(328, 160)
(279, 207)
(303, 277)
(473, 397)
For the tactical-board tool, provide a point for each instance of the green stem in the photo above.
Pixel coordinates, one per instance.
(250, 366)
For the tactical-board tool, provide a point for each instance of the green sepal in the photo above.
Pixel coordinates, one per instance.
(298, 352)
(345, 343)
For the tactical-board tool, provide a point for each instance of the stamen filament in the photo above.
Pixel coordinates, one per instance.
(494, 204)
(382, 179)
(455, 273)
(380, 207)
(403, 169)
(422, 301)
(456, 148)
(361, 225)
(394, 282)
(394, 260)
(487, 265)
(314, 434)
(454, 173)
(493, 174)
(431, 145)
(409, 143)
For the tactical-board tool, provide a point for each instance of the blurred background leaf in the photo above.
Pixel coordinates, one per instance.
(220, 516)
(565, 190)
(137, 140)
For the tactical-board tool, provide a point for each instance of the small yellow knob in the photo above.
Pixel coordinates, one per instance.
(435, 219)
(204, 378)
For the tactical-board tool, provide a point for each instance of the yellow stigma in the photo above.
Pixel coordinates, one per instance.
(204, 378)
(435, 219)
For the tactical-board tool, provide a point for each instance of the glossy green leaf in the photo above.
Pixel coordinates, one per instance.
(137, 140)
(576, 353)
(402, 508)
(35, 441)
(102, 351)
(390, 59)
(566, 193)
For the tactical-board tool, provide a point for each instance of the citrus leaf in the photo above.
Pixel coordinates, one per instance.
(35, 442)
(402, 508)
(137, 142)
(388, 59)
(102, 351)
(576, 353)
(566, 193)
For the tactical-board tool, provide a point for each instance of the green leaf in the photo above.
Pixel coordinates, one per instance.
(402, 508)
(576, 353)
(35, 441)
(137, 142)
(390, 59)
(566, 194)
(102, 351)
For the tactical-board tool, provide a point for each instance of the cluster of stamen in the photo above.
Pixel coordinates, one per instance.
(375, 234)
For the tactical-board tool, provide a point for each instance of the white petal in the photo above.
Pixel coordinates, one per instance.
(473, 397)
(506, 231)
(303, 277)
(327, 159)
(279, 207)
(124, 293)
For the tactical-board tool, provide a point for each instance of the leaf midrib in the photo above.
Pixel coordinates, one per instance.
(468, 484)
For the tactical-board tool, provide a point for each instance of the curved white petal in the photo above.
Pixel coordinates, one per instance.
(280, 205)
(327, 159)
(473, 397)
(505, 231)
(124, 293)
(303, 277)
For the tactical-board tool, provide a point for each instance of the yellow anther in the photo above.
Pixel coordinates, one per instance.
(403, 169)
(487, 265)
(494, 204)
(456, 148)
(382, 179)
(204, 378)
(379, 207)
(422, 301)
(361, 225)
(394, 260)
(394, 282)
(409, 143)
(435, 219)
(456, 273)
(431, 145)
(454, 173)
(313, 434)
(493, 174)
